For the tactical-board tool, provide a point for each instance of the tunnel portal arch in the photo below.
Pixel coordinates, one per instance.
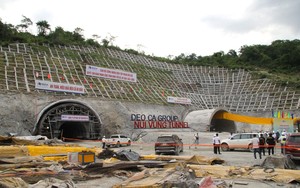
(219, 124)
(68, 119)
(210, 120)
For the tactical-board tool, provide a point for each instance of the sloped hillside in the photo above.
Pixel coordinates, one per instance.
(207, 87)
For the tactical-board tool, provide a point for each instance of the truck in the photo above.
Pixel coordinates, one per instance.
(118, 140)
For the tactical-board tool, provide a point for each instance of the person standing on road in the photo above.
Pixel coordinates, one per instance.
(196, 140)
(262, 143)
(216, 143)
(103, 142)
(277, 135)
(282, 140)
(255, 146)
(271, 144)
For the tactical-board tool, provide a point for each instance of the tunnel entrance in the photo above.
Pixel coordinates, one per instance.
(68, 119)
(210, 120)
(71, 130)
(218, 124)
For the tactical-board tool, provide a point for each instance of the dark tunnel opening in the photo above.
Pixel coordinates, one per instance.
(73, 130)
(222, 125)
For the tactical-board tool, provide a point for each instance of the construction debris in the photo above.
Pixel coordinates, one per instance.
(278, 161)
(60, 165)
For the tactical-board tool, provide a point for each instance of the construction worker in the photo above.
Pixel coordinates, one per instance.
(282, 140)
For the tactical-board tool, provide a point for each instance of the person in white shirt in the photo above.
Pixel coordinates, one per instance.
(282, 140)
(196, 141)
(103, 142)
(255, 146)
(216, 143)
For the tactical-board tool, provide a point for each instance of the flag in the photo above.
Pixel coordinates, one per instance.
(272, 113)
(62, 77)
(91, 85)
(282, 115)
(173, 93)
(49, 76)
(163, 93)
(37, 74)
(278, 114)
(84, 81)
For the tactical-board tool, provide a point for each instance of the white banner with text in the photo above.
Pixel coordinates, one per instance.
(74, 118)
(110, 73)
(179, 100)
(56, 86)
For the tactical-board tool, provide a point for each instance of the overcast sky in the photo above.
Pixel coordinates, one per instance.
(167, 27)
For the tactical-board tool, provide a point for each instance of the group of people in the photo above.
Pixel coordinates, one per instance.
(260, 143)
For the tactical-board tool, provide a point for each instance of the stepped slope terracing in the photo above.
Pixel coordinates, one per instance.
(207, 87)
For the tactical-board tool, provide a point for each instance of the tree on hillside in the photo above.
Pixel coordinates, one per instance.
(232, 53)
(7, 32)
(25, 23)
(43, 27)
(78, 35)
(109, 40)
(59, 36)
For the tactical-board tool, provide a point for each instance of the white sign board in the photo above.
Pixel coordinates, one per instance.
(179, 100)
(74, 118)
(110, 73)
(62, 87)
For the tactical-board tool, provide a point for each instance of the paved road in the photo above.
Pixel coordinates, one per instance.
(234, 158)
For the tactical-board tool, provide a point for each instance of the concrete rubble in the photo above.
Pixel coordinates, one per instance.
(28, 166)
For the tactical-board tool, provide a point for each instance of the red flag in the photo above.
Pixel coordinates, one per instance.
(91, 85)
(62, 77)
(84, 81)
(49, 76)
(163, 93)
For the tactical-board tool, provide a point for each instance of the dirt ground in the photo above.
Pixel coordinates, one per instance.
(231, 158)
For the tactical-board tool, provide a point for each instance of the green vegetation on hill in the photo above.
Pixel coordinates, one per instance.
(279, 61)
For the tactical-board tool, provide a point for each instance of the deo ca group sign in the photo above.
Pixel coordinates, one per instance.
(141, 121)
